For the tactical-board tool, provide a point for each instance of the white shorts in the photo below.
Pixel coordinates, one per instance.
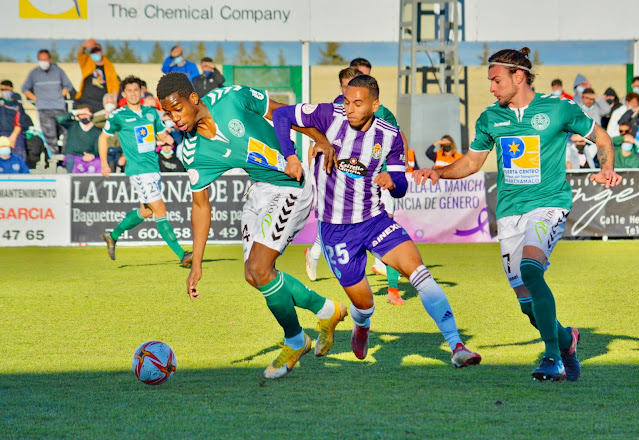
(273, 215)
(148, 186)
(541, 228)
(388, 201)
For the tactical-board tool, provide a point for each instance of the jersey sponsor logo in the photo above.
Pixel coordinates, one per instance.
(377, 151)
(540, 121)
(68, 10)
(257, 95)
(262, 155)
(385, 233)
(236, 127)
(228, 153)
(194, 176)
(337, 142)
(144, 134)
(309, 108)
(352, 167)
(501, 124)
(130, 120)
(520, 159)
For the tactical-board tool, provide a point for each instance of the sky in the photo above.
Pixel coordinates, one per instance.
(381, 54)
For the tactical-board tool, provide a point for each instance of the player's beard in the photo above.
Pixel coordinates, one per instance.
(359, 125)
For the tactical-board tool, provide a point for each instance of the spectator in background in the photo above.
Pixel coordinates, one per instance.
(210, 79)
(631, 117)
(10, 117)
(626, 149)
(48, 86)
(558, 89)
(593, 105)
(98, 76)
(580, 155)
(114, 149)
(81, 150)
(610, 96)
(613, 124)
(169, 163)
(9, 162)
(6, 89)
(634, 84)
(446, 154)
(580, 85)
(176, 62)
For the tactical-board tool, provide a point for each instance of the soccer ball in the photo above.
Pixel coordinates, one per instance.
(154, 362)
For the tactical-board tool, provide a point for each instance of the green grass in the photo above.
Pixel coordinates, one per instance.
(70, 320)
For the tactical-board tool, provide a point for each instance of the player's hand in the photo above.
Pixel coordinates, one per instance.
(384, 181)
(105, 171)
(191, 282)
(293, 167)
(421, 176)
(606, 177)
(330, 156)
(88, 157)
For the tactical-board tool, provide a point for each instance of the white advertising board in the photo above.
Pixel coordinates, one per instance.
(203, 20)
(34, 210)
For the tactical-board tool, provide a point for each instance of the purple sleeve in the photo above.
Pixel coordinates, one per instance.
(312, 115)
(395, 161)
(401, 184)
(283, 119)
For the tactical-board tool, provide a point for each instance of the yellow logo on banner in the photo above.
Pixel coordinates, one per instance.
(57, 9)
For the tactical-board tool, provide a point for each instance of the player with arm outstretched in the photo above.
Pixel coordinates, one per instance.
(227, 129)
(352, 218)
(533, 197)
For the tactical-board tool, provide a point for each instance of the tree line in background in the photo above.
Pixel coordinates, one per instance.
(253, 56)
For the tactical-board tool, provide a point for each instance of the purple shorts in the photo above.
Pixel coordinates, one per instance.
(345, 246)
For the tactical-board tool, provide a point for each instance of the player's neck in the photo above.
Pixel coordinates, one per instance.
(205, 122)
(523, 98)
(135, 107)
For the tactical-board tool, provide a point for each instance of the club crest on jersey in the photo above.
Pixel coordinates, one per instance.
(352, 168)
(377, 151)
(236, 127)
(540, 121)
(149, 116)
(194, 176)
(521, 159)
(309, 108)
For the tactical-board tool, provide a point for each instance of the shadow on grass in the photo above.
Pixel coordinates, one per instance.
(591, 344)
(173, 262)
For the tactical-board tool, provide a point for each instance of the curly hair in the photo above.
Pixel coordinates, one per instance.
(515, 60)
(174, 82)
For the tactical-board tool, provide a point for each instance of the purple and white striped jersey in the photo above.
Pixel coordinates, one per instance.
(348, 195)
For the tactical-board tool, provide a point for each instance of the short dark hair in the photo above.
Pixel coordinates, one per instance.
(517, 58)
(131, 80)
(44, 51)
(79, 106)
(143, 83)
(6, 82)
(588, 90)
(367, 82)
(349, 72)
(632, 95)
(206, 60)
(636, 78)
(361, 62)
(556, 82)
(175, 82)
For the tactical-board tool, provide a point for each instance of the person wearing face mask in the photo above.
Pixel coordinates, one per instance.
(593, 105)
(579, 154)
(10, 163)
(631, 116)
(81, 150)
(176, 62)
(610, 96)
(48, 86)
(210, 79)
(98, 75)
(169, 163)
(626, 148)
(558, 89)
(446, 154)
(115, 158)
(581, 83)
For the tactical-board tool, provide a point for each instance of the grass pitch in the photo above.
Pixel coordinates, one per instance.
(71, 318)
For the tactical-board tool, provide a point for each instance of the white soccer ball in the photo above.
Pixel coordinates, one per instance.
(154, 362)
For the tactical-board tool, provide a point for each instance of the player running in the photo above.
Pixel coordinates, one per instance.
(533, 197)
(137, 127)
(352, 218)
(227, 129)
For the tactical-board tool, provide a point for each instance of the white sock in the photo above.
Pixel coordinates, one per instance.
(316, 249)
(327, 310)
(378, 262)
(362, 318)
(296, 342)
(436, 304)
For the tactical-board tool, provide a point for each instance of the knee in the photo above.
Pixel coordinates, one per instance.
(247, 275)
(256, 273)
(531, 271)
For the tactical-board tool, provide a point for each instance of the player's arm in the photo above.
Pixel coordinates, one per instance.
(103, 149)
(200, 225)
(165, 137)
(606, 154)
(466, 165)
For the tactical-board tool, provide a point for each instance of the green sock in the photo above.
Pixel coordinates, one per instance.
(280, 301)
(303, 296)
(543, 304)
(563, 334)
(392, 275)
(166, 231)
(132, 219)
